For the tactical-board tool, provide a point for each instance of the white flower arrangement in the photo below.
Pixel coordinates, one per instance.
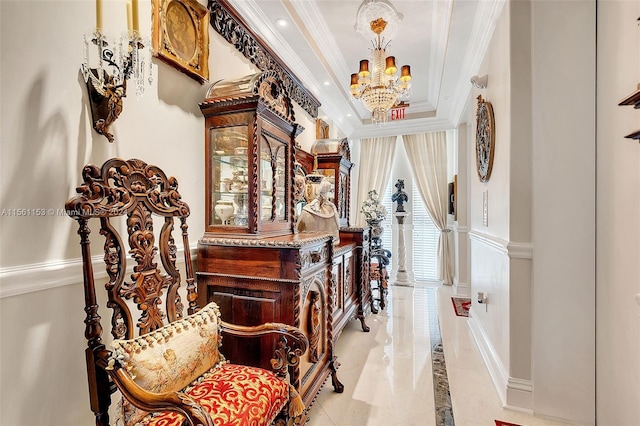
(371, 207)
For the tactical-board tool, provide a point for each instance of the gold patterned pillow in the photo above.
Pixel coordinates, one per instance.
(171, 357)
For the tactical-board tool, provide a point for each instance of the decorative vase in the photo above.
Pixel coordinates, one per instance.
(376, 229)
(224, 209)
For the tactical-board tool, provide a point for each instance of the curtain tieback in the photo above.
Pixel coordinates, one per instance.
(446, 230)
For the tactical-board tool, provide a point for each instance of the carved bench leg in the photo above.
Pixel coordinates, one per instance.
(338, 387)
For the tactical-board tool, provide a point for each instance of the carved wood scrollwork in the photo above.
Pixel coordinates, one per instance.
(148, 283)
(136, 190)
(315, 326)
(312, 257)
(111, 190)
(272, 92)
(348, 289)
(232, 28)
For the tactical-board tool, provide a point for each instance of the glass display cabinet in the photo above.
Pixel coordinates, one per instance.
(249, 135)
(332, 159)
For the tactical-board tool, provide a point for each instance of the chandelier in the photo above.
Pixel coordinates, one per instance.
(380, 88)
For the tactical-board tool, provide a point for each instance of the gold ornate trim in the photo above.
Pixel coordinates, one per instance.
(267, 243)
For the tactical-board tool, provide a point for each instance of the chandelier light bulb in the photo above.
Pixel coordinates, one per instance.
(391, 65)
(354, 81)
(364, 68)
(405, 73)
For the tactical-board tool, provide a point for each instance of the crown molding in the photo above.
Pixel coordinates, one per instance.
(481, 34)
(440, 20)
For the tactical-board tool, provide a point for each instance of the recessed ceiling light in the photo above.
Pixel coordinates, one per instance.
(281, 22)
(348, 115)
(326, 83)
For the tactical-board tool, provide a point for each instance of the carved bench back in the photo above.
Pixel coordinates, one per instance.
(138, 192)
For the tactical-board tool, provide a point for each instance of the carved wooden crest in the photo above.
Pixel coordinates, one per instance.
(271, 90)
(112, 189)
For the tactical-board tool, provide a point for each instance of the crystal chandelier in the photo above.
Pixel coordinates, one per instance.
(380, 88)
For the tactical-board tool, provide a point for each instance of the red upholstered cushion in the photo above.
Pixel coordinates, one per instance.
(233, 395)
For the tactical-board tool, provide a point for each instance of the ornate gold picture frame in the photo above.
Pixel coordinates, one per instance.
(181, 36)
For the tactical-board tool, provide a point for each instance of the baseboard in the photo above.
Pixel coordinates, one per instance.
(461, 289)
(514, 393)
(496, 369)
(520, 395)
(24, 279)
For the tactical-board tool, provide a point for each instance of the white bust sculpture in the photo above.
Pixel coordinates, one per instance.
(321, 215)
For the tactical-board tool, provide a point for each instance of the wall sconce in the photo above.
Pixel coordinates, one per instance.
(111, 64)
(480, 82)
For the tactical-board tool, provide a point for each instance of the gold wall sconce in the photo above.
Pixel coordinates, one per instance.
(109, 63)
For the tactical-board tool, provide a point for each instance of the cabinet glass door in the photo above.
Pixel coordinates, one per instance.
(273, 199)
(230, 176)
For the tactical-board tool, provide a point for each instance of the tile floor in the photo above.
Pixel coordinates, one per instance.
(387, 373)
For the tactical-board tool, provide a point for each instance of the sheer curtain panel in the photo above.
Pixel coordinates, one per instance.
(427, 154)
(376, 161)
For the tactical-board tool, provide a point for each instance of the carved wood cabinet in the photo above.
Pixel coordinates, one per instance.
(249, 260)
(286, 279)
(249, 134)
(298, 279)
(333, 161)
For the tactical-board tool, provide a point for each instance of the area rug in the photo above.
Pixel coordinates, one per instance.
(461, 306)
(501, 423)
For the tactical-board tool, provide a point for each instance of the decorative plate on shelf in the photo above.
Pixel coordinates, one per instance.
(485, 139)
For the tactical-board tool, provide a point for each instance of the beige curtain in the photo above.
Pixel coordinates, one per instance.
(376, 160)
(427, 154)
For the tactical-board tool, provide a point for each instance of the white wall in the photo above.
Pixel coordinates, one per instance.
(618, 213)
(536, 264)
(489, 257)
(46, 139)
(563, 99)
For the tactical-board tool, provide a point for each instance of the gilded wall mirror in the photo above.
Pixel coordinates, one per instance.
(485, 139)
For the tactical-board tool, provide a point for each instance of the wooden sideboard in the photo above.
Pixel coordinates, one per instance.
(298, 279)
(351, 272)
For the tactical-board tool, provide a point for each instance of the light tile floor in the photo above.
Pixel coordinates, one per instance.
(387, 372)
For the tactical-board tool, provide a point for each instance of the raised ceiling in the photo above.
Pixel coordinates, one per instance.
(444, 41)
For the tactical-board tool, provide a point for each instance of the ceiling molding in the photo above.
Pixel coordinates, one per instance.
(440, 22)
(312, 24)
(451, 37)
(402, 127)
(483, 26)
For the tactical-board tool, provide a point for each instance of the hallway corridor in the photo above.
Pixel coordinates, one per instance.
(388, 375)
